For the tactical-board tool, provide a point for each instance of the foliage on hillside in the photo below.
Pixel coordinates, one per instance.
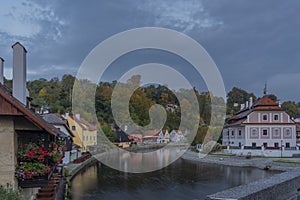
(56, 96)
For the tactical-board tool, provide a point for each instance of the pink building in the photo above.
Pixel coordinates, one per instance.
(263, 123)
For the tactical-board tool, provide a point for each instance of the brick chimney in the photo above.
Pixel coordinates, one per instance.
(19, 72)
(1, 70)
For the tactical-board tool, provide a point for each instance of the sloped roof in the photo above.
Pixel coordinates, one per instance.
(55, 119)
(121, 136)
(10, 106)
(262, 104)
(83, 123)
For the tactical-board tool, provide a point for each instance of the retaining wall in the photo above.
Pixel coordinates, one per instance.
(284, 186)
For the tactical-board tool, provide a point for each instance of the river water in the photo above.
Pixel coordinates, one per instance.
(181, 180)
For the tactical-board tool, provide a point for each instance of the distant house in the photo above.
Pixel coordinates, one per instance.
(150, 136)
(65, 132)
(85, 134)
(263, 123)
(171, 107)
(163, 137)
(176, 136)
(122, 139)
(136, 136)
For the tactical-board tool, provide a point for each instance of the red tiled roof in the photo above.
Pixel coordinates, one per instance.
(265, 101)
(262, 104)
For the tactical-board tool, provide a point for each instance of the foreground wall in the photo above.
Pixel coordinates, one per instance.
(8, 154)
(280, 186)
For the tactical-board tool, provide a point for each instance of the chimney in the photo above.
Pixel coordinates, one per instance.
(247, 104)
(77, 116)
(250, 102)
(19, 72)
(242, 106)
(1, 70)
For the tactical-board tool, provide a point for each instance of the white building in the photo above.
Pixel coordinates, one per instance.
(262, 124)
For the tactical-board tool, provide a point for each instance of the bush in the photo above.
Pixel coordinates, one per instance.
(9, 194)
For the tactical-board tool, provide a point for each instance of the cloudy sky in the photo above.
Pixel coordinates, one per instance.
(251, 42)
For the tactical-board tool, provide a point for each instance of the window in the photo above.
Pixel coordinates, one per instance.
(94, 138)
(265, 144)
(276, 132)
(287, 132)
(232, 132)
(276, 144)
(265, 132)
(287, 145)
(91, 138)
(254, 132)
(265, 117)
(253, 144)
(240, 132)
(276, 117)
(73, 128)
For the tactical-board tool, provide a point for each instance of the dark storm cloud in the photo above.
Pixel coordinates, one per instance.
(251, 42)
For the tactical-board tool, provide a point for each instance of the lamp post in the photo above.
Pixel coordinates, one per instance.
(281, 148)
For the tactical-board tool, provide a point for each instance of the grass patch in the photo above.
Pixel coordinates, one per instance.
(287, 161)
(221, 155)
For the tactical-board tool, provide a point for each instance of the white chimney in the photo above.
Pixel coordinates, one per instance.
(77, 116)
(67, 115)
(242, 106)
(250, 102)
(1, 70)
(19, 72)
(247, 104)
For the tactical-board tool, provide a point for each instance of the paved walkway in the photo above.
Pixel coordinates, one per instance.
(281, 164)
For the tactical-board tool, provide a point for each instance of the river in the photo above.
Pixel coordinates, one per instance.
(181, 180)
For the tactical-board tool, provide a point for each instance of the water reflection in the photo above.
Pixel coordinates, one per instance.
(180, 180)
(140, 162)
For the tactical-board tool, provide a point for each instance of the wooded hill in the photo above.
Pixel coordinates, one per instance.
(55, 95)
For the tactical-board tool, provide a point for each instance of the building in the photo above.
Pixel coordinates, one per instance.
(177, 136)
(85, 134)
(122, 139)
(20, 128)
(62, 125)
(163, 136)
(260, 124)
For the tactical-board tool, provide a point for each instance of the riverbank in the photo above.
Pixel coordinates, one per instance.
(72, 169)
(279, 164)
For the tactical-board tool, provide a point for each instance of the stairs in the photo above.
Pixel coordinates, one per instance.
(49, 192)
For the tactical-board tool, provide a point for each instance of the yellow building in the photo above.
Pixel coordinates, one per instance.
(85, 134)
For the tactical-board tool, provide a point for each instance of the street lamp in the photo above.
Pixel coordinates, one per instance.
(281, 148)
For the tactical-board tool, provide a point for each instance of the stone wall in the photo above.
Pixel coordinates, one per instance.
(280, 186)
(8, 152)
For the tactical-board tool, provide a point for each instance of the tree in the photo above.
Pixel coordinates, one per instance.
(235, 97)
(291, 108)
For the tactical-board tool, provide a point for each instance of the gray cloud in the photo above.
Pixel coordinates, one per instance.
(251, 42)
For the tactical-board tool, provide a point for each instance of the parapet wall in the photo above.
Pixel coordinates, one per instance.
(282, 186)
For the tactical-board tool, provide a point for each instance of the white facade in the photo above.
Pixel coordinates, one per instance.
(264, 124)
